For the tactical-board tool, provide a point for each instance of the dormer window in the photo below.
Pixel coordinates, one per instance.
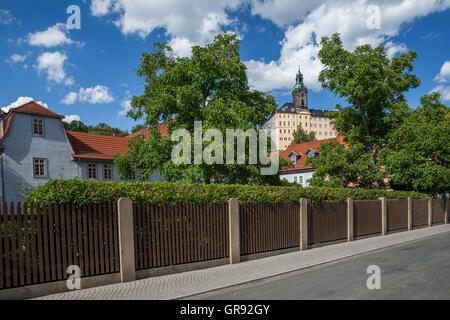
(38, 127)
(294, 157)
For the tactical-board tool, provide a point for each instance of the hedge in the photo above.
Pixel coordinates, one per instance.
(82, 192)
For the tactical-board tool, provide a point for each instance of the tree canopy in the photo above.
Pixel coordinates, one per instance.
(101, 128)
(373, 86)
(210, 86)
(301, 136)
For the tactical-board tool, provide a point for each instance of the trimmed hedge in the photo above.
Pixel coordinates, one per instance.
(82, 192)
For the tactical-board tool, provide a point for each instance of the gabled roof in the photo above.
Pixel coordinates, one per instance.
(30, 108)
(36, 108)
(96, 146)
(302, 149)
(290, 108)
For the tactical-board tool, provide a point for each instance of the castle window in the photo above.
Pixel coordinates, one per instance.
(38, 127)
(40, 167)
(92, 171)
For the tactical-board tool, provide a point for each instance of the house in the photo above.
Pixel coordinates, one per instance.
(298, 154)
(290, 116)
(34, 147)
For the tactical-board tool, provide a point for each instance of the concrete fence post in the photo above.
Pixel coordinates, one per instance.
(303, 224)
(383, 216)
(410, 208)
(126, 240)
(430, 212)
(447, 201)
(349, 219)
(234, 232)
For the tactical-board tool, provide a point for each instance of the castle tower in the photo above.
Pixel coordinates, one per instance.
(300, 93)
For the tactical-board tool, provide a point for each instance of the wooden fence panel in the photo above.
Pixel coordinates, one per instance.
(327, 221)
(367, 217)
(397, 214)
(180, 233)
(39, 242)
(438, 211)
(419, 212)
(268, 226)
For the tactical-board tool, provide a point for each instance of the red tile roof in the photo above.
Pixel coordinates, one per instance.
(96, 146)
(34, 107)
(163, 130)
(302, 148)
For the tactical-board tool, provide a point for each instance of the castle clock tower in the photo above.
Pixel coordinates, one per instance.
(300, 93)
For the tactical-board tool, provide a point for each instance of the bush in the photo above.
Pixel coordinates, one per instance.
(82, 192)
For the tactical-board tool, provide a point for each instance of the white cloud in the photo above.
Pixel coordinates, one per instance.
(185, 22)
(70, 118)
(97, 94)
(393, 48)
(126, 106)
(443, 90)
(300, 45)
(100, 7)
(21, 101)
(71, 98)
(52, 63)
(444, 74)
(16, 58)
(6, 17)
(52, 37)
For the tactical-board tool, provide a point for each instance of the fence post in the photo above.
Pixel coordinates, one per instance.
(383, 216)
(430, 212)
(410, 208)
(446, 210)
(349, 219)
(303, 224)
(234, 232)
(126, 240)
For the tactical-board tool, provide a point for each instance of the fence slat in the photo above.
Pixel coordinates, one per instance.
(20, 244)
(116, 240)
(64, 243)
(105, 237)
(74, 236)
(59, 270)
(51, 228)
(7, 252)
(12, 219)
(110, 234)
(80, 253)
(85, 242)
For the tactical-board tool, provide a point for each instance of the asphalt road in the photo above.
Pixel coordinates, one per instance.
(415, 270)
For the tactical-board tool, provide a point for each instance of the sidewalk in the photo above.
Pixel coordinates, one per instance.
(194, 282)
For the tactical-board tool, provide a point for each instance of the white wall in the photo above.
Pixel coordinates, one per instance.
(306, 176)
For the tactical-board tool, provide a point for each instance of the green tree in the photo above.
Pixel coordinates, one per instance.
(211, 86)
(417, 153)
(373, 86)
(76, 126)
(301, 136)
(137, 127)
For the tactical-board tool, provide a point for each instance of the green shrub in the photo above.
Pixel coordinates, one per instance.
(81, 192)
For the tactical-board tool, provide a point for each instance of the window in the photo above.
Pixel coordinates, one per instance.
(92, 171)
(293, 158)
(288, 117)
(300, 179)
(40, 168)
(294, 124)
(306, 124)
(280, 123)
(289, 130)
(38, 127)
(281, 130)
(295, 179)
(107, 172)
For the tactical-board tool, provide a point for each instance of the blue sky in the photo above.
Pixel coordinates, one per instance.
(91, 73)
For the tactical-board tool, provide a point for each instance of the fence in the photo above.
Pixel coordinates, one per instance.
(37, 244)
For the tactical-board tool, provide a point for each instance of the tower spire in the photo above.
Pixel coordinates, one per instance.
(300, 92)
